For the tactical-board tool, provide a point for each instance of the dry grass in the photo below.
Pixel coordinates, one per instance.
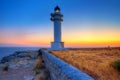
(95, 62)
(44, 75)
(39, 65)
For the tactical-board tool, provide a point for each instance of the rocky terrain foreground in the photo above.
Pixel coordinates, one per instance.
(23, 65)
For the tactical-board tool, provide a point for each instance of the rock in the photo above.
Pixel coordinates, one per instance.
(27, 58)
(17, 59)
(34, 55)
(14, 66)
(28, 77)
(21, 63)
(6, 59)
(21, 55)
(21, 60)
(3, 67)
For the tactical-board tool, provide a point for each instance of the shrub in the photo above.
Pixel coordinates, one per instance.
(116, 65)
(17, 52)
(49, 51)
(39, 55)
(39, 52)
(44, 75)
(38, 65)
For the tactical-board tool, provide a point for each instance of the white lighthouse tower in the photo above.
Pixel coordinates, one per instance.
(56, 17)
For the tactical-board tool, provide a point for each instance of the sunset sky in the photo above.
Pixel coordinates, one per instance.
(87, 23)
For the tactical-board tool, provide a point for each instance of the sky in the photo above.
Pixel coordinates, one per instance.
(86, 23)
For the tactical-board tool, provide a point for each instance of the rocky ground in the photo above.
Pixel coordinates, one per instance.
(23, 65)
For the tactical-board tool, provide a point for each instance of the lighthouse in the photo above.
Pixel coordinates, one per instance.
(56, 17)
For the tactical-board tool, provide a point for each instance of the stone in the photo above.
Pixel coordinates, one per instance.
(28, 77)
(60, 70)
(7, 59)
(23, 55)
(3, 67)
(34, 55)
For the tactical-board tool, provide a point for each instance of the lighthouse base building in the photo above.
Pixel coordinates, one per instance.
(57, 46)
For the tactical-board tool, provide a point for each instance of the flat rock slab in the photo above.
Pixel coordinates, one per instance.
(18, 74)
(20, 66)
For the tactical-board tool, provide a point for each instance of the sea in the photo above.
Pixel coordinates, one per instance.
(5, 51)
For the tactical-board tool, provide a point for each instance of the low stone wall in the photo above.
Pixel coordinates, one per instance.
(60, 70)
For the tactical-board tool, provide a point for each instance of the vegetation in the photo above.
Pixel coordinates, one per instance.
(116, 65)
(49, 51)
(44, 75)
(38, 65)
(39, 54)
(95, 62)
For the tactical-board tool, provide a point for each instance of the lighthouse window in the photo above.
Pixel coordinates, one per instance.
(57, 10)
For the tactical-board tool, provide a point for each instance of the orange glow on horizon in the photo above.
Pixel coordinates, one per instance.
(103, 37)
(68, 40)
(69, 44)
(93, 44)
